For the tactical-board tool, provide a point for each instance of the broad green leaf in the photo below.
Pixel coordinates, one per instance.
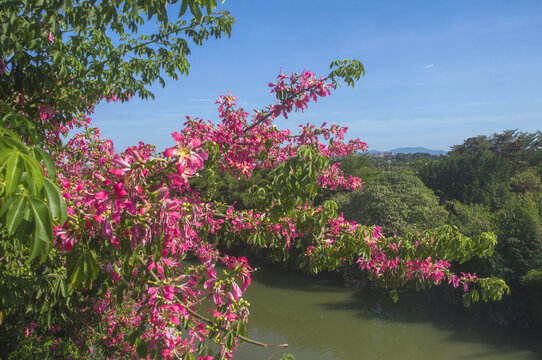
(34, 178)
(142, 349)
(42, 239)
(241, 329)
(13, 142)
(90, 267)
(63, 287)
(194, 8)
(15, 213)
(57, 205)
(210, 4)
(49, 313)
(75, 268)
(14, 171)
(184, 6)
(44, 156)
(230, 340)
(6, 204)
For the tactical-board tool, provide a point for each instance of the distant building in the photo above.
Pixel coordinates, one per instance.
(382, 154)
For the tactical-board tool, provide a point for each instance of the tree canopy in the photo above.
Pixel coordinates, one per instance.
(397, 201)
(115, 254)
(59, 58)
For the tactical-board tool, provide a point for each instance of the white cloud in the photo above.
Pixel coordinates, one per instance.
(428, 66)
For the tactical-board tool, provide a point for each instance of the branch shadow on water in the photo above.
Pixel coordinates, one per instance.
(336, 322)
(459, 325)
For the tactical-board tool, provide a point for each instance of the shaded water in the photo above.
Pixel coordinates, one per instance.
(320, 319)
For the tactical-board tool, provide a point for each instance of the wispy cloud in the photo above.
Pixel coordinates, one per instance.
(428, 66)
(525, 120)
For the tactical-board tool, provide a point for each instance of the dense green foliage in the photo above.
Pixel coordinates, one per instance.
(71, 54)
(475, 176)
(492, 183)
(397, 201)
(487, 184)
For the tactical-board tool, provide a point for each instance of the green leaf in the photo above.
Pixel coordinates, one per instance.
(14, 171)
(184, 6)
(230, 340)
(210, 5)
(194, 8)
(7, 202)
(466, 299)
(157, 253)
(15, 213)
(63, 287)
(136, 334)
(142, 349)
(394, 295)
(34, 178)
(42, 239)
(49, 317)
(120, 293)
(57, 204)
(348, 70)
(75, 272)
(12, 141)
(241, 329)
(90, 267)
(44, 156)
(76, 275)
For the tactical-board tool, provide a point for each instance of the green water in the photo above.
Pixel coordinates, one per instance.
(320, 319)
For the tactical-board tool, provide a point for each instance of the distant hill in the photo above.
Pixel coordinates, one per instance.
(411, 150)
(414, 150)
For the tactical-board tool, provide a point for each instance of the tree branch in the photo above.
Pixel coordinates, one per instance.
(210, 322)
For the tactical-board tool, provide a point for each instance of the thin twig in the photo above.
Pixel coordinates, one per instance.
(274, 353)
(269, 113)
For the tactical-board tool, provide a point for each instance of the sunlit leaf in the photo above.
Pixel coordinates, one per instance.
(55, 200)
(42, 237)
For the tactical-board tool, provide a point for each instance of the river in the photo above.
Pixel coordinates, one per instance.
(321, 319)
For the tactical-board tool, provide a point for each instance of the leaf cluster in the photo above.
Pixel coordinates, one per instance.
(31, 202)
(71, 54)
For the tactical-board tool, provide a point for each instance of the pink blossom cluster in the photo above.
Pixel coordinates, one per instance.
(142, 202)
(332, 178)
(242, 141)
(427, 269)
(385, 255)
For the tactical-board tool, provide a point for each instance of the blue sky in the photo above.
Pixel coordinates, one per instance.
(437, 72)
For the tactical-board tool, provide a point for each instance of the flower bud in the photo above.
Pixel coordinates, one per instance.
(161, 193)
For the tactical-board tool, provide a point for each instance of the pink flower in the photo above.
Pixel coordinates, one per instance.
(169, 292)
(119, 190)
(174, 319)
(246, 282)
(237, 293)
(189, 160)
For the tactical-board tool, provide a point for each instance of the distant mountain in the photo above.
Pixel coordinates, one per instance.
(411, 150)
(414, 150)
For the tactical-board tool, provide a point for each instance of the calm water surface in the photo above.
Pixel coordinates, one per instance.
(322, 320)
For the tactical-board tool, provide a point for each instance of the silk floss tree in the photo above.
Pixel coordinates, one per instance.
(114, 254)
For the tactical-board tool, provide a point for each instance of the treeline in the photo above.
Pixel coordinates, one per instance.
(488, 183)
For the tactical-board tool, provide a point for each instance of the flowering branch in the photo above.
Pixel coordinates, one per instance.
(210, 322)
